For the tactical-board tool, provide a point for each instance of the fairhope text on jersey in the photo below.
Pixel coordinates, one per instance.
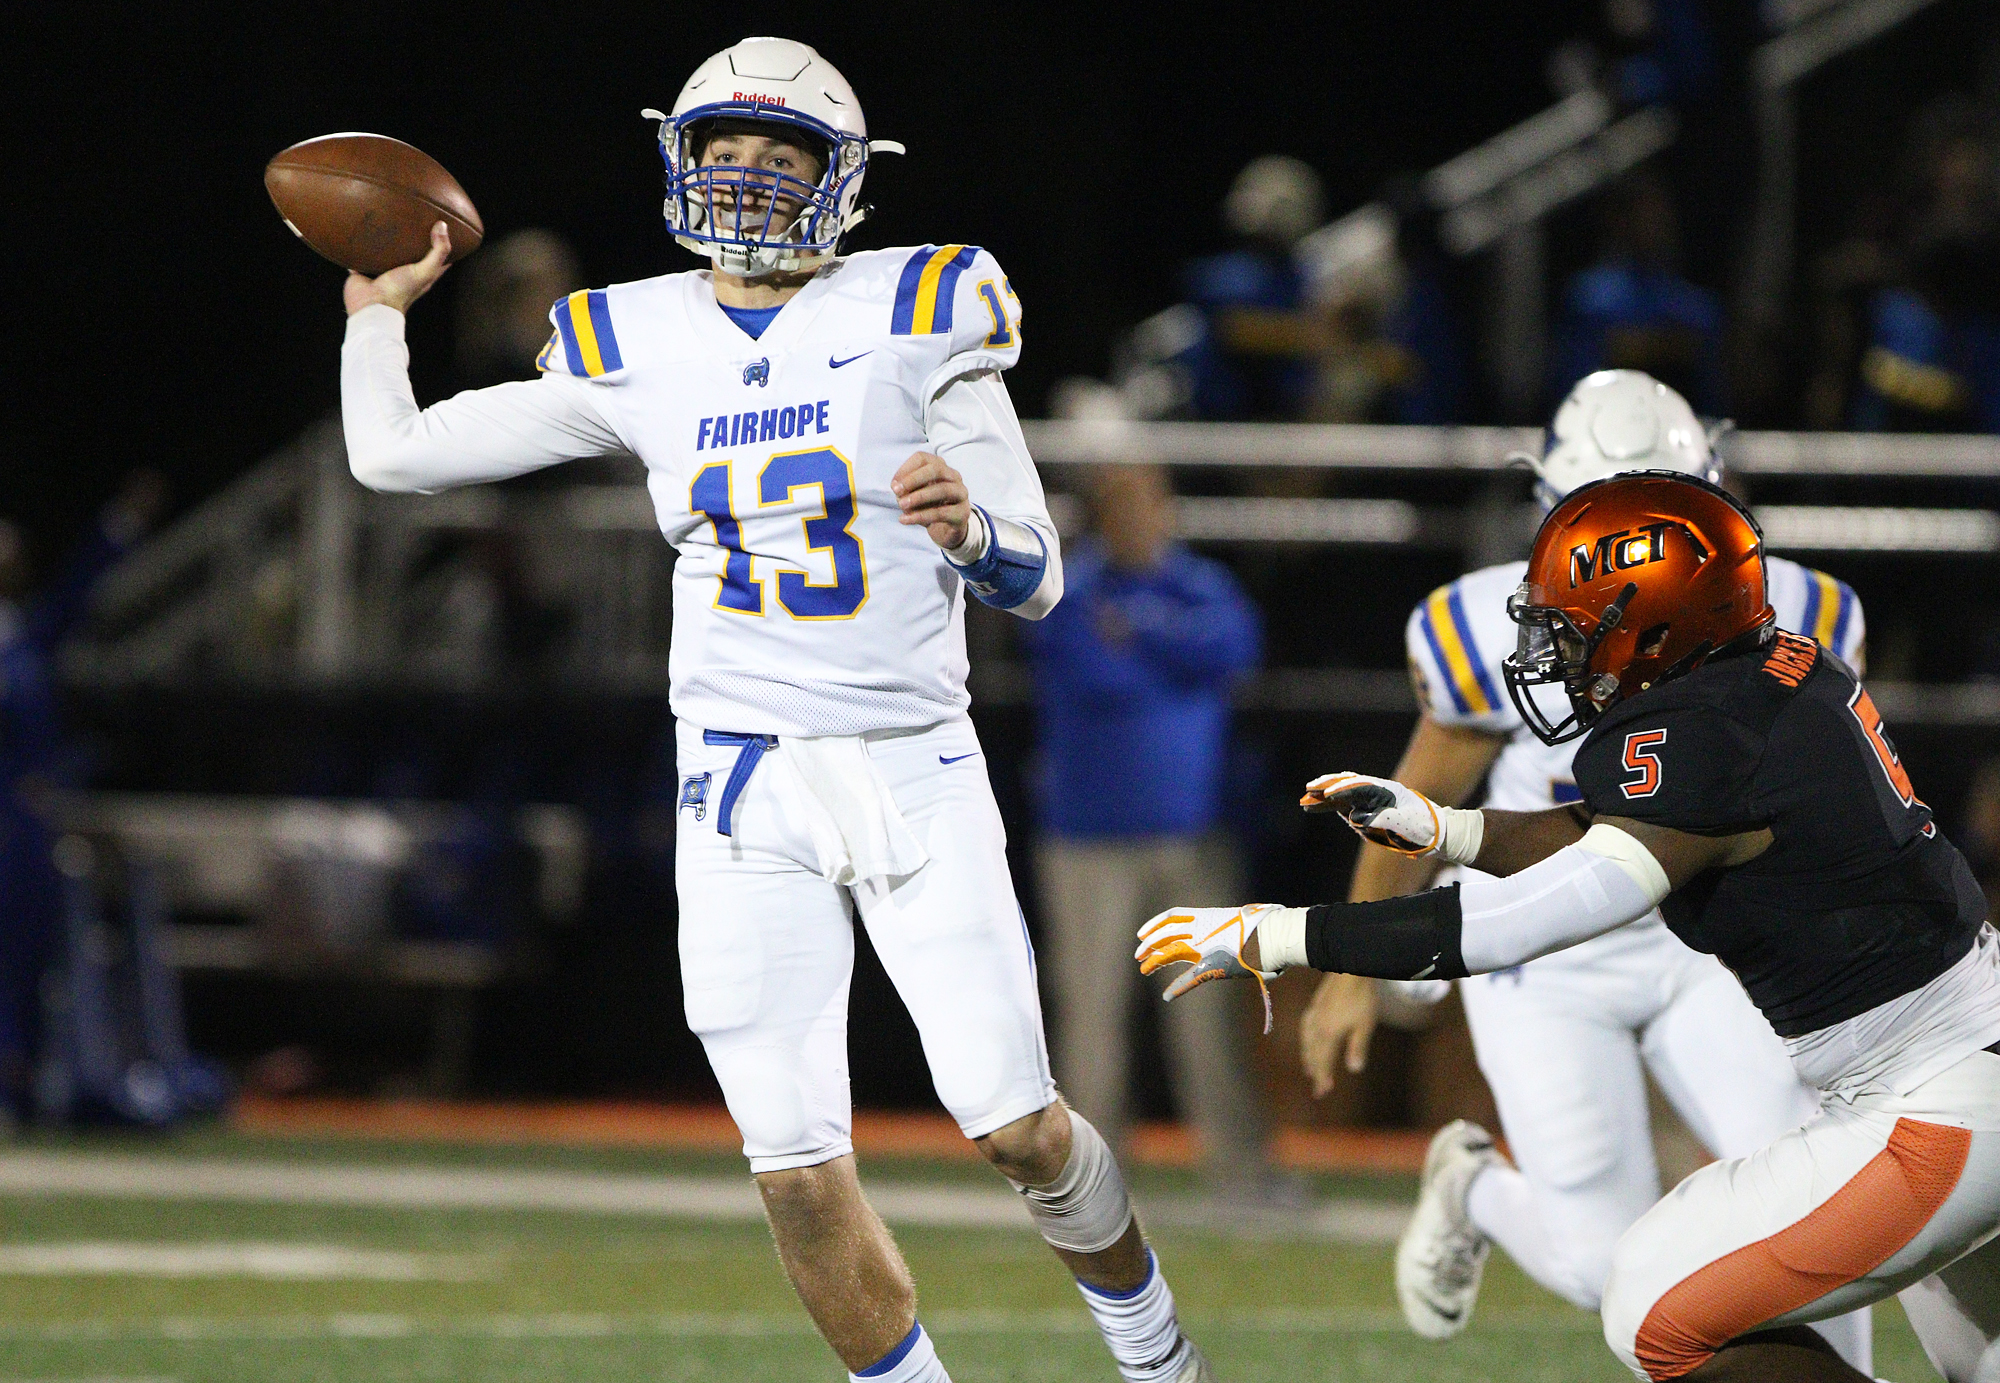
(766, 425)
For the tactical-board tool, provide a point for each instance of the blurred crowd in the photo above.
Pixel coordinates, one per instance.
(1906, 307)
(1366, 318)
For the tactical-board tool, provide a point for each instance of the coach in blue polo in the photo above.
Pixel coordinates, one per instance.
(1133, 673)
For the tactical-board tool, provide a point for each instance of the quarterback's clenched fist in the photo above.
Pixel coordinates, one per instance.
(1399, 818)
(1209, 941)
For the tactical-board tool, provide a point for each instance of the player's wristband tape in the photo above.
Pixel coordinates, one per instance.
(1411, 938)
(750, 752)
(1011, 571)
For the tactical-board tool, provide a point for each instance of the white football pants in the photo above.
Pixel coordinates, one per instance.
(1876, 1195)
(767, 948)
(1565, 1042)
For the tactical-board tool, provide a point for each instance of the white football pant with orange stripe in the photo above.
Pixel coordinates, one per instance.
(1876, 1195)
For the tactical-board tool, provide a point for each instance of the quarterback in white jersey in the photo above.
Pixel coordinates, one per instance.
(1565, 1041)
(831, 451)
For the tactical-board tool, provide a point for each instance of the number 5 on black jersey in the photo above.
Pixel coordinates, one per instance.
(1642, 757)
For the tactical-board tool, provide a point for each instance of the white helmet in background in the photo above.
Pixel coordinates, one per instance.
(1616, 421)
(789, 87)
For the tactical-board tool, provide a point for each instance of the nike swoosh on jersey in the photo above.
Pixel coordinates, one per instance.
(943, 760)
(833, 364)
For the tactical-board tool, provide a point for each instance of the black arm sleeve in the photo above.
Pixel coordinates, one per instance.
(1412, 938)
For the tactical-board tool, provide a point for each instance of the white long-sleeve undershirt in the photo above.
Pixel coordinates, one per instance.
(479, 435)
(1605, 881)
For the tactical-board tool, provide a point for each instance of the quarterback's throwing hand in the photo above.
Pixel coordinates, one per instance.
(1209, 941)
(401, 286)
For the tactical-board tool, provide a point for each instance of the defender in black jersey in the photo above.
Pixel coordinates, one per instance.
(1859, 898)
(1741, 780)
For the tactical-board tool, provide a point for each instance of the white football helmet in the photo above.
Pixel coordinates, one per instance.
(777, 82)
(1616, 421)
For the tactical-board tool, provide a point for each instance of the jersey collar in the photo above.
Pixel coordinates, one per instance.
(786, 329)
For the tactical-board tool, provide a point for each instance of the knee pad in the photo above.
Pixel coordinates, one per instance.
(1085, 1209)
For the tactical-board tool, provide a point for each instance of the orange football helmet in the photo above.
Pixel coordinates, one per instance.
(1633, 581)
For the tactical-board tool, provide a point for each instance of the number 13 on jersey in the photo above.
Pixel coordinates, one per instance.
(829, 531)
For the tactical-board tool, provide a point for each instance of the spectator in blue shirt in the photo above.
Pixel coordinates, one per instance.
(1133, 673)
(1632, 310)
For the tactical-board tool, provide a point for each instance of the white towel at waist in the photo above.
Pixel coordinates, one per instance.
(857, 832)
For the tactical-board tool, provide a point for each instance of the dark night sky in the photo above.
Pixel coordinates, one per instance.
(1087, 145)
(168, 318)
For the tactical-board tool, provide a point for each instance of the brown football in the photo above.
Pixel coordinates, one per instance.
(368, 202)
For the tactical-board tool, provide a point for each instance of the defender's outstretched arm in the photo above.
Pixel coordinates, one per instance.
(1613, 875)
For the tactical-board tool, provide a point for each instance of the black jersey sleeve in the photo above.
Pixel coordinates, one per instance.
(1691, 768)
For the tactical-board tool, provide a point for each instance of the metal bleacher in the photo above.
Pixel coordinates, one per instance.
(295, 577)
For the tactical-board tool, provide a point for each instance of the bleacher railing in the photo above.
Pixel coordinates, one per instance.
(1364, 447)
(294, 576)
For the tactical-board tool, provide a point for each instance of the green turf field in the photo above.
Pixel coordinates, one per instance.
(538, 1295)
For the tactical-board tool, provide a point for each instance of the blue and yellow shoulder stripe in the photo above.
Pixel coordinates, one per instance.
(1830, 611)
(925, 292)
(1448, 634)
(585, 344)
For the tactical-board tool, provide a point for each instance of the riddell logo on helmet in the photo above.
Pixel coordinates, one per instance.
(757, 98)
(1617, 552)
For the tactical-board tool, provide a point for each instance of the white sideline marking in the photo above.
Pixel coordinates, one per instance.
(30, 1173)
(719, 1325)
(278, 1262)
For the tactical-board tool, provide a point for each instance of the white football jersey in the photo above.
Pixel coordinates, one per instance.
(1458, 636)
(802, 606)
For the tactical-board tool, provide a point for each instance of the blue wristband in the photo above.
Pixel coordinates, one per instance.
(1004, 577)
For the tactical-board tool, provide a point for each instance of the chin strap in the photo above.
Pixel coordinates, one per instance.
(1613, 617)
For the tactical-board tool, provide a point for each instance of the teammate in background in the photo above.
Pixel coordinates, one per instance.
(1739, 777)
(1565, 1042)
(830, 447)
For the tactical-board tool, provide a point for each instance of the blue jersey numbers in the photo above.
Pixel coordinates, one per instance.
(831, 531)
(1002, 335)
(709, 495)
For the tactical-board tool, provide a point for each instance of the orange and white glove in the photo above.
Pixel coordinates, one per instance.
(1400, 818)
(1210, 942)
